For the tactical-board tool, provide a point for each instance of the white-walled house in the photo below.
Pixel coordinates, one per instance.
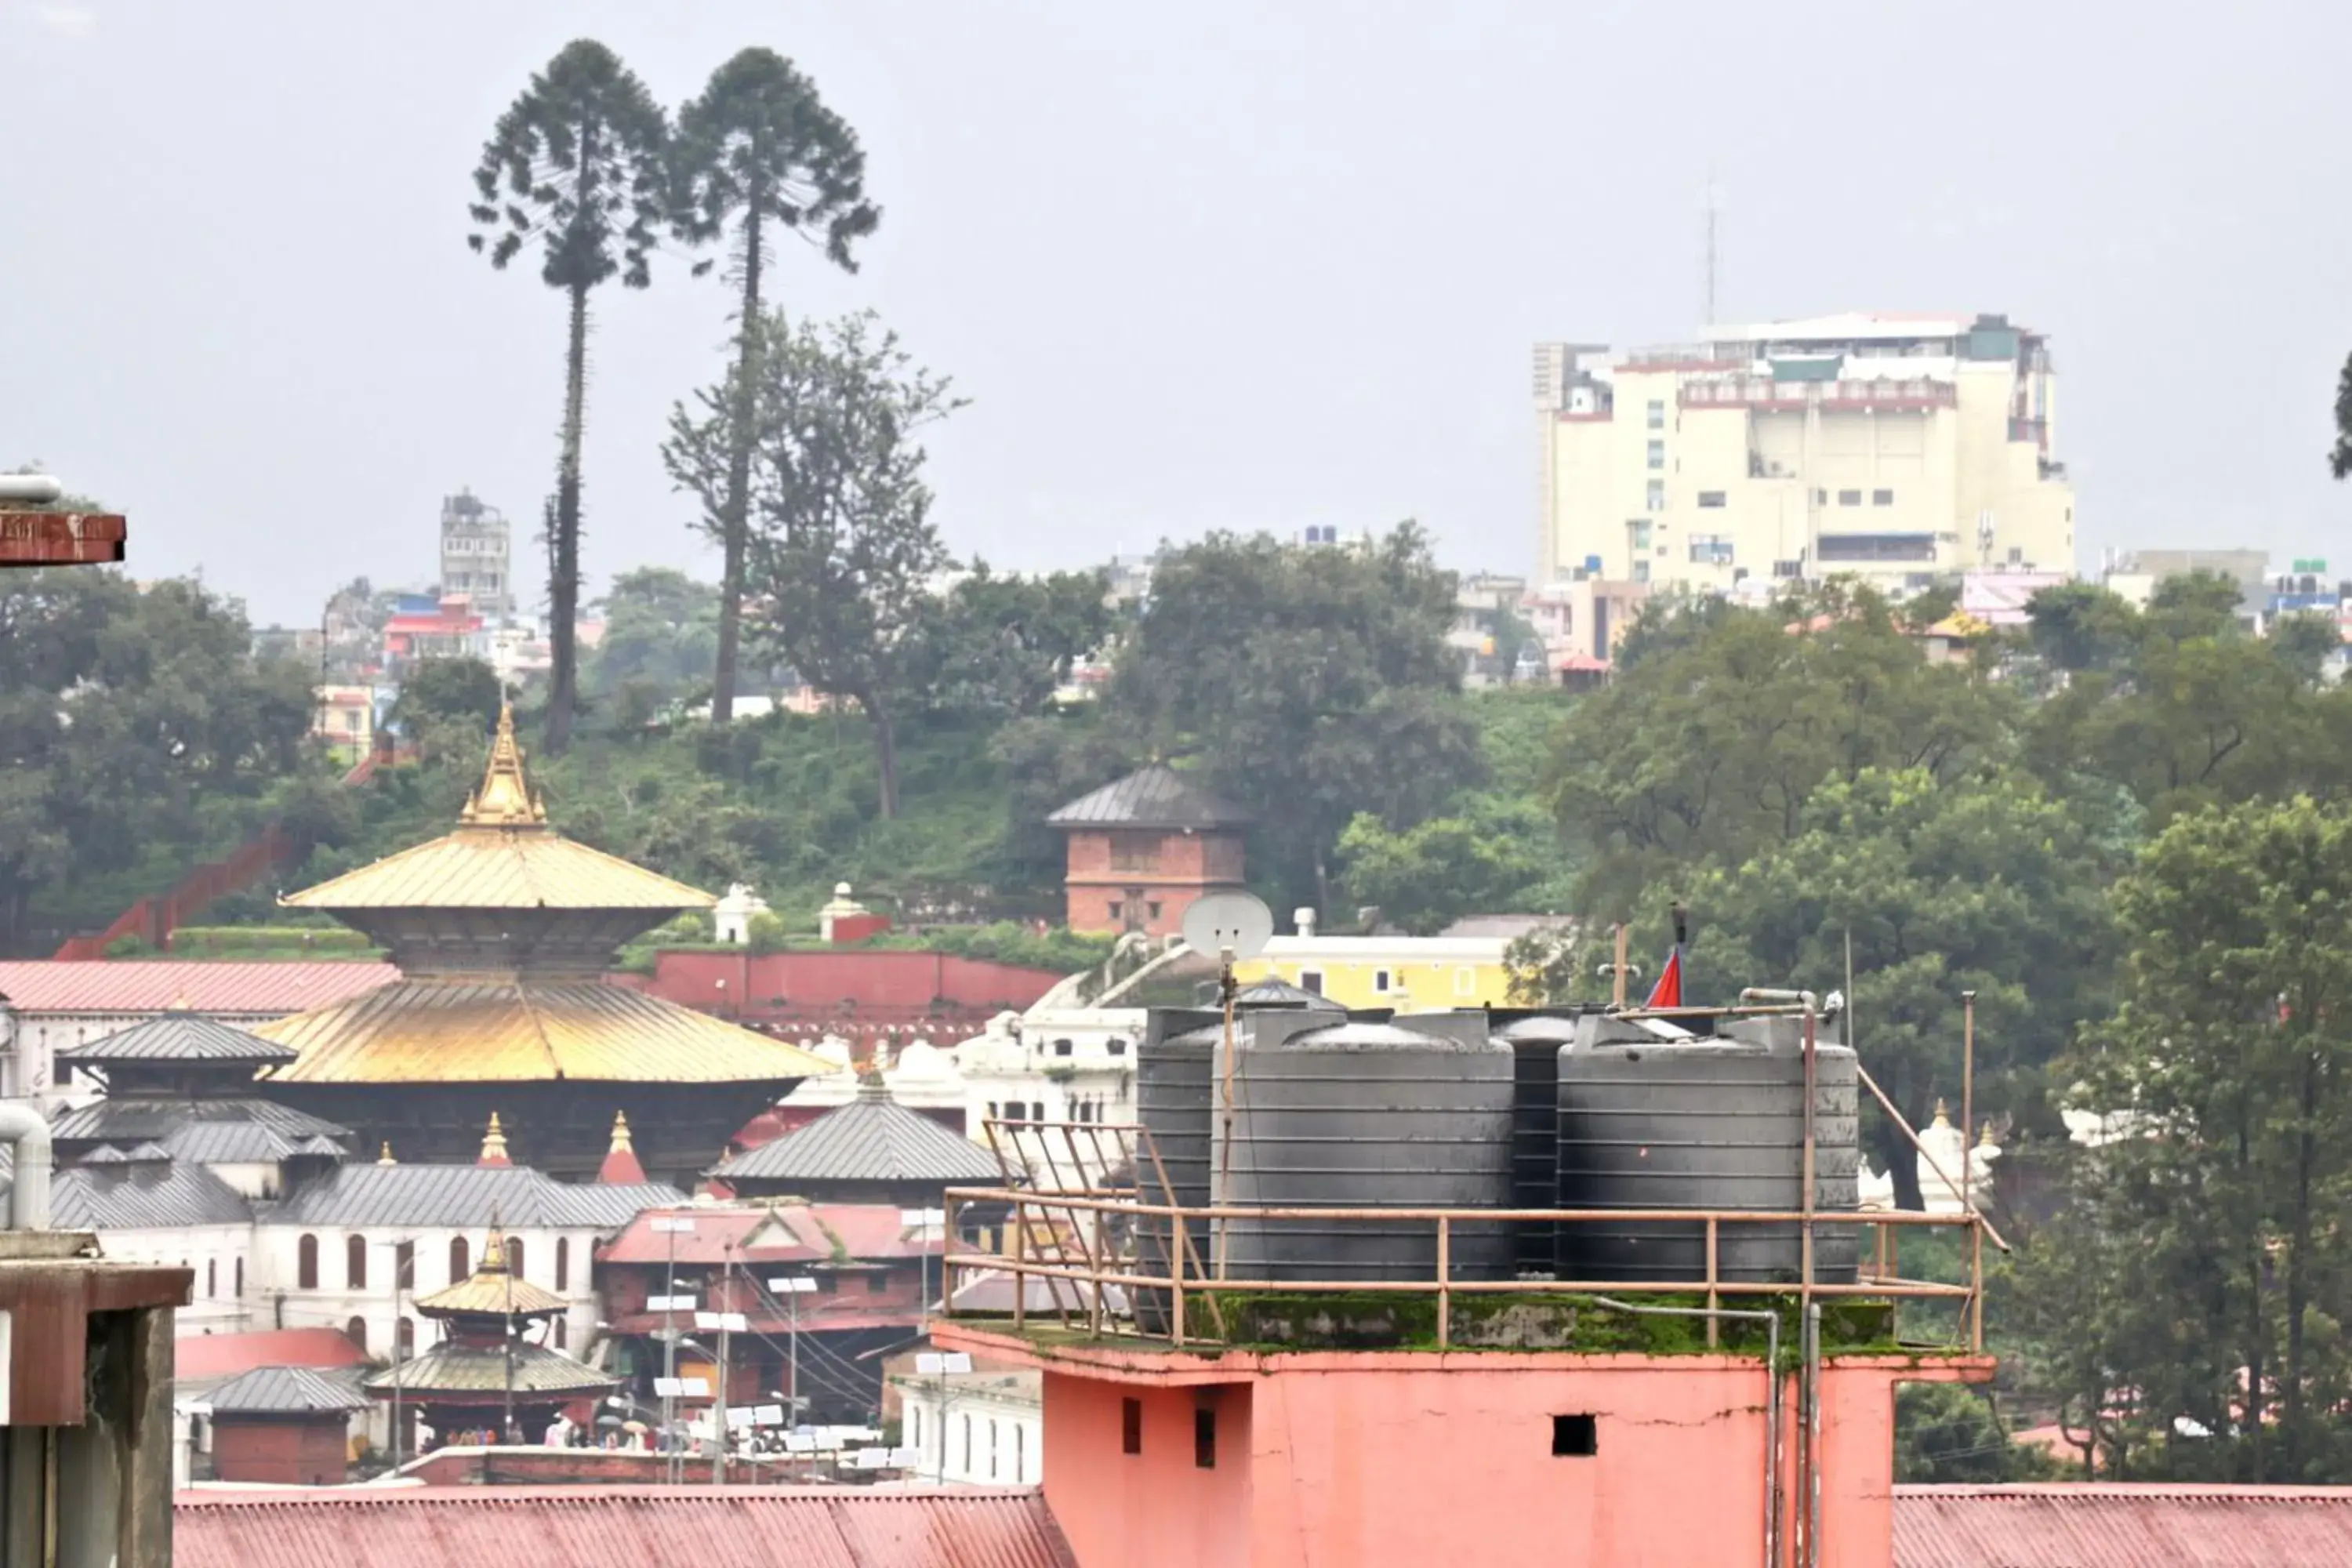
(975, 1428)
(1056, 1064)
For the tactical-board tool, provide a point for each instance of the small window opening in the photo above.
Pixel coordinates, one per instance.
(1574, 1437)
(1131, 1425)
(1205, 1439)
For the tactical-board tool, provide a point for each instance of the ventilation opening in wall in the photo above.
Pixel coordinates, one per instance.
(1574, 1437)
(1131, 1425)
(1205, 1439)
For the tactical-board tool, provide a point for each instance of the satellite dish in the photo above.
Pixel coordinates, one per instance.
(1228, 921)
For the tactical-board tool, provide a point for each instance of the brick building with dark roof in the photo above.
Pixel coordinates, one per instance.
(286, 1426)
(870, 1151)
(1144, 849)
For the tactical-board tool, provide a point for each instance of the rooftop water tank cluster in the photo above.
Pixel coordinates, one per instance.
(1562, 1107)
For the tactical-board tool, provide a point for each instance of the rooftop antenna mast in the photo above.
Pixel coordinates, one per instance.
(1235, 926)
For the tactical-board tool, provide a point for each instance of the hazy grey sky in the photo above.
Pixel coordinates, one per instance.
(1200, 265)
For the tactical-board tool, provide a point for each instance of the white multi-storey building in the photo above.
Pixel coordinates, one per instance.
(476, 549)
(1899, 448)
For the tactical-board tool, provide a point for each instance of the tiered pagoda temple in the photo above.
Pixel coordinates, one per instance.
(503, 932)
(484, 1376)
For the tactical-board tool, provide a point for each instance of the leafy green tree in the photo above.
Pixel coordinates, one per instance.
(137, 730)
(1980, 883)
(999, 644)
(579, 164)
(759, 147)
(1050, 760)
(2304, 642)
(842, 550)
(1947, 1434)
(1495, 858)
(660, 641)
(2077, 627)
(1314, 682)
(451, 690)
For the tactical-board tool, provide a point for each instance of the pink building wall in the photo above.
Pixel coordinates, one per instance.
(1367, 1459)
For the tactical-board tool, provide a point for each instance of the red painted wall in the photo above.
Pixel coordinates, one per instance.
(281, 1452)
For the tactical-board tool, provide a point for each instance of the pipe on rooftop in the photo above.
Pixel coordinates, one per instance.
(36, 487)
(24, 1128)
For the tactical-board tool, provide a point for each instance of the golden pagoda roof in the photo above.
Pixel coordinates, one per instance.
(492, 1289)
(503, 855)
(509, 1031)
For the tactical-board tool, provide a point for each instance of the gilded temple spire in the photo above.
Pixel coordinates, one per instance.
(505, 798)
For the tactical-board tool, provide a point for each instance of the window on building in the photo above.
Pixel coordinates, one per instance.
(1016, 1450)
(356, 1331)
(913, 1425)
(1711, 549)
(827, 1285)
(65, 1074)
(1641, 571)
(1151, 910)
(405, 1337)
(1062, 1047)
(1115, 1046)
(1657, 454)
(1114, 909)
(1821, 497)
(875, 1284)
(1575, 1436)
(460, 1260)
(1849, 498)
(564, 1263)
(1205, 1439)
(1712, 500)
(559, 1333)
(240, 1279)
(967, 1443)
(355, 1263)
(1131, 1425)
(1134, 851)
(1465, 982)
(1641, 531)
(211, 1278)
(1657, 413)
(2017, 555)
(1879, 547)
(1311, 980)
(403, 1264)
(1654, 496)
(1380, 980)
(306, 1264)
(994, 1442)
(514, 1257)
(1882, 498)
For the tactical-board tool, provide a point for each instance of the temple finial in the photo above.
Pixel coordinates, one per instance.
(621, 1167)
(494, 1145)
(385, 1158)
(1943, 1114)
(505, 798)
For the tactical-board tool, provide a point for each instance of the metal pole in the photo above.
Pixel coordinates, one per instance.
(506, 1342)
(1813, 1436)
(719, 1395)
(793, 1388)
(395, 1357)
(669, 1366)
(1805, 1279)
(1226, 1154)
(1967, 1100)
(1617, 971)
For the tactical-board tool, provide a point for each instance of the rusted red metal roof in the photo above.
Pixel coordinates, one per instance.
(154, 985)
(618, 1527)
(2096, 1524)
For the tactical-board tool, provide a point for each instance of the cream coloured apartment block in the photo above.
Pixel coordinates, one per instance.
(1899, 448)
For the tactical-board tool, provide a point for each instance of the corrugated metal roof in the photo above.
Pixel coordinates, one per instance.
(200, 1358)
(1154, 796)
(501, 868)
(285, 1391)
(775, 1233)
(433, 1031)
(229, 1143)
(151, 1196)
(511, 1195)
(871, 1139)
(156, 985)
(474, 1369)
(130, 1120)
(1275, 992)
(594, 1527)
(2095, 1525)
(177, 1036)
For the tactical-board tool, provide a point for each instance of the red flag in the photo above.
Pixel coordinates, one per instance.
(1668, 992)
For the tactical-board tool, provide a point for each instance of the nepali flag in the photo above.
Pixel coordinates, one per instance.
(1668, 992)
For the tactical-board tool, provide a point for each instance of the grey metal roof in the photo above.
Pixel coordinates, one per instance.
(465, 1195)
(871, 1139)
(1273, 993)
(285, 1391)
(134, 1120)
(1154, 796)
(154, 1195)
(179, 1037)
(472, 1369)
(240, 1144)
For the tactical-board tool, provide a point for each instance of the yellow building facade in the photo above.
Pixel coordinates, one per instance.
(1409, 973)
(1898, 448)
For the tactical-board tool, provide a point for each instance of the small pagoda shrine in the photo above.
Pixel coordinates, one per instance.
(503, 932)
(485, 1376)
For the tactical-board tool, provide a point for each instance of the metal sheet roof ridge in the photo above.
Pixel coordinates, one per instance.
(315, 1496)
(2128, 1489)
(522, 846)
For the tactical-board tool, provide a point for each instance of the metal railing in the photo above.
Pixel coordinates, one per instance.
(1088, 1272)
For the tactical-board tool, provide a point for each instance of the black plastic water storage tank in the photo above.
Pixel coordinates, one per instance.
(1535, 1040)
(1175, 1070)
(1365, 1115)
(1716, 1122)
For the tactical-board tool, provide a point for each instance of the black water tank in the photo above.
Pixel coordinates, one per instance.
(1175, 1065)
(1366, 1115)
(1648, 1121)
